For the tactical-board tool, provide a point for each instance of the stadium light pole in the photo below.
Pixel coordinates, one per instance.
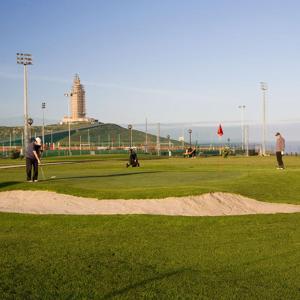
(69, 95)
(264, 88)
(25, 59)
(30, 122)
(190, 133)
(130, 133)
(242, 108)
(146, 137)
(43, 109)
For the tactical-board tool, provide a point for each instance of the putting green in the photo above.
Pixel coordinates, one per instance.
(254, 177)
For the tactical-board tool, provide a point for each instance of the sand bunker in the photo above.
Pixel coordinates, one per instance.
(212, 204)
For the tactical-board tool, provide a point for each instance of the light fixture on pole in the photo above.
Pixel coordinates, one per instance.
(264, 88)
(25, 59)
(130, 134)
(43, 109)
(69, 95)
(30, 122)
(190, 133)
(242, 108)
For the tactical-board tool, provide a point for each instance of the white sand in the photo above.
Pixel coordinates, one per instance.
(212, 204)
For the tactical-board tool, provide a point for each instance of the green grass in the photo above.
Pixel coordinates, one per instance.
(154, 257)
(254, 177)
(149, 257)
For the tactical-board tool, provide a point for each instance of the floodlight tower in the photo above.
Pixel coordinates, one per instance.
(30, 122)
(242, 108)
(264, 88)
(25, 59)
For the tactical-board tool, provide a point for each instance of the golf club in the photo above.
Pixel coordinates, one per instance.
(43, 174)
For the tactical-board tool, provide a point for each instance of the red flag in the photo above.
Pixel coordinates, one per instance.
(220, 131)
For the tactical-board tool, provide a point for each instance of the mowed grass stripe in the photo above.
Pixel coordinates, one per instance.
(153, 257)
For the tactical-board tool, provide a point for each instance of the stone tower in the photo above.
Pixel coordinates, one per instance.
(78, 100)
(78, 109)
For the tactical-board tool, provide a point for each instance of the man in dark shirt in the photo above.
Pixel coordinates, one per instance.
(133, 160)
(33, 159)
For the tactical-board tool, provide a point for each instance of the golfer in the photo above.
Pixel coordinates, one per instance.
(133, 159)
(280, 146)
(33, 159)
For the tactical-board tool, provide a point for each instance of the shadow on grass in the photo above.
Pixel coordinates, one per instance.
(100, 176)
(8, 183)
(142, 283)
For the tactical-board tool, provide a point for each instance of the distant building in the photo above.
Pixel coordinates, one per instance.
(78, 108)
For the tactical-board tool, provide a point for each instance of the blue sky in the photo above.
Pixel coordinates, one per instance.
(169, 61)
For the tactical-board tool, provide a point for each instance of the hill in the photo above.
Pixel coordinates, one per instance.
(100, 134)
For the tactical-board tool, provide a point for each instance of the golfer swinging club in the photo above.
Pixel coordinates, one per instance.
(33, 155)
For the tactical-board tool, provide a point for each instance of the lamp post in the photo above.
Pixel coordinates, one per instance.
(168, 137)
(158, 140)
(25, 59)
(30, 122)
(80, 144)
(146, 137)
(190, 133)
(69, 95)
(13, 137)
(43, 109)
(130, 134)
(242, 108)
(264, 88)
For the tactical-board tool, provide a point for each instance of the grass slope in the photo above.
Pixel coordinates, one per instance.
(148, 257)
(102, 134)
(254, 177)
(112, 134)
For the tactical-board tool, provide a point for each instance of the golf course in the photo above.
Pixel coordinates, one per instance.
(153, 256)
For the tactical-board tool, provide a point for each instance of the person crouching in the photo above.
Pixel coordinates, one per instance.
(133, 159)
